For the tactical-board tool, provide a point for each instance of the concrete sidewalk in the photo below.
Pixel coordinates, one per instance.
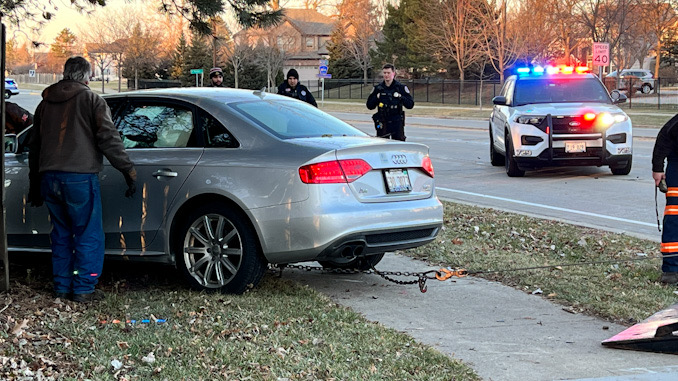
(503, 333)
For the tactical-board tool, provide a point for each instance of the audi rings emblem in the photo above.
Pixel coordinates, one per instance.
(399, 159)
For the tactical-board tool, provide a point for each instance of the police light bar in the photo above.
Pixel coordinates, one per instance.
(560, 69)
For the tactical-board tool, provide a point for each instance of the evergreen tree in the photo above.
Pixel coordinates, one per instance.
(199, 57)
(252, 76)
(179, 60)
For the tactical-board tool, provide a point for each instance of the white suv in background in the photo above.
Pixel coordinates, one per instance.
(559, 116)
(642, 79)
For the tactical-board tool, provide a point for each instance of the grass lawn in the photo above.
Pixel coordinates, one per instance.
(278, 331)
(623, 287)
(282, 330)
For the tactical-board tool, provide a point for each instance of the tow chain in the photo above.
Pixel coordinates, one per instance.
(446, 273)
(422, 277)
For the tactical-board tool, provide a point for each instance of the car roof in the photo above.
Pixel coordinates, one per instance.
(191, 94)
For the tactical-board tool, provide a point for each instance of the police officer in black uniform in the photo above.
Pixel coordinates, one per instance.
(390, 97)
(292, 88)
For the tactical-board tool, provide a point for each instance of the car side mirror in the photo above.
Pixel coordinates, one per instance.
(617, 97)
(11, 143)
(499, 100)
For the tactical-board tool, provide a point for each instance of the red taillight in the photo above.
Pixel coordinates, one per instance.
(427, 165)
(341, 171)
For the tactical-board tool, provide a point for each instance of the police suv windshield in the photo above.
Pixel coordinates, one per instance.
(559, 90)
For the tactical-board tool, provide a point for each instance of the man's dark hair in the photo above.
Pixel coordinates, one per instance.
(388, 66)
(77, 68)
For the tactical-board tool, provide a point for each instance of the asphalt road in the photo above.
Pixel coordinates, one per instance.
(589, 196)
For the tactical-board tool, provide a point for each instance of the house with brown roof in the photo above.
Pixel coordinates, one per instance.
(302, 36)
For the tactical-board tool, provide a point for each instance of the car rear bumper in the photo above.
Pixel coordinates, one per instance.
(322, 231)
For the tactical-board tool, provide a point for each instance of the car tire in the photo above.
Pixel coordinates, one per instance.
(359, 263)
(623, 170)
(8, 94)
(496, 158)
(646, 88)
(238, 263)
(512, 169)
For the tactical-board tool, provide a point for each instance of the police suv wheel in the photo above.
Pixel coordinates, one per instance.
(8, 94)
(496, 158)
(512, 169)
(645, 89)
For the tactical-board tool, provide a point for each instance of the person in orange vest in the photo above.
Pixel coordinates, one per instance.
(666, 149)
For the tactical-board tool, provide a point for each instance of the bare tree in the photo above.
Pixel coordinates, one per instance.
(450, 28)
(358, 20)
(499, 36)
(608, 21)
(539, 39)
(236, 56)
(570, 33)
(661, 17)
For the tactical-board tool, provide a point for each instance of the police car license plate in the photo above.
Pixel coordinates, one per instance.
(397, 180)
(574, 147)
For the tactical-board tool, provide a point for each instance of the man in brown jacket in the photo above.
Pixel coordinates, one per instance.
(72, 131)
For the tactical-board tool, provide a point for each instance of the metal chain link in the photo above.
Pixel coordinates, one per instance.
(421, 276)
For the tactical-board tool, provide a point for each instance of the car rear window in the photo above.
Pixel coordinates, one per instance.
(558, 90)
(292, 119)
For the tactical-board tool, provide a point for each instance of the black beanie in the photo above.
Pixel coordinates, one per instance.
(292, 73)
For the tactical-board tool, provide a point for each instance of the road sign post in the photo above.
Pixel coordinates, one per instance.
(197, 72)
(322, 74)
(601, 56)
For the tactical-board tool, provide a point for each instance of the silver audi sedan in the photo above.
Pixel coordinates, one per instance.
(230, 180)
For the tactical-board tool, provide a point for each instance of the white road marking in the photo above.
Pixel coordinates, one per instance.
(548, 207)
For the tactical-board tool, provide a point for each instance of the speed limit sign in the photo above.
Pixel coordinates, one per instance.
(601, 54)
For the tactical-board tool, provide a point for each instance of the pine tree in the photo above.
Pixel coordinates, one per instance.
(179, 59)
(199, 57)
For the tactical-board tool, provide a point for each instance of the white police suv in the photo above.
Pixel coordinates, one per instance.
(559, 116)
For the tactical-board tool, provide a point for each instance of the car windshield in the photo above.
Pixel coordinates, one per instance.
(559, 90)
(292, 119)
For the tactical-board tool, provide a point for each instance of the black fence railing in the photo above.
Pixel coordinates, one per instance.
(660, 93)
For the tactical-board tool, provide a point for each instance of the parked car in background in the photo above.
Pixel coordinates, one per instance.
(639, 79)
(230, 180)
(11, 88)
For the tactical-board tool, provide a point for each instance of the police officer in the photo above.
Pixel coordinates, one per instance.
(292, 88)
(666, 150)
(390, 97)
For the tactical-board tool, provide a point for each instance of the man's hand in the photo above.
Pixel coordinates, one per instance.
(658, 176)
(130, 179)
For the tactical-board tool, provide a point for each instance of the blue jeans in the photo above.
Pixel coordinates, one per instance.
(74, 203)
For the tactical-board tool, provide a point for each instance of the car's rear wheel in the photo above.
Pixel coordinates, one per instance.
(512, 169)
(623, 170)
(217, 250)
(359, 263)
(496, 158)
(8, 94)
(646, 88)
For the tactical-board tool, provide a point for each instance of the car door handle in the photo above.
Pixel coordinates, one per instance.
(165, 173)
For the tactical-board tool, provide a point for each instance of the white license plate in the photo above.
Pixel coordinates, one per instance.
(573, 147)
(397, 180)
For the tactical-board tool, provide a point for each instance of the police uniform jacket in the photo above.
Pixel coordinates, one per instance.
(390, 101)
(666, 145)
(300, 92)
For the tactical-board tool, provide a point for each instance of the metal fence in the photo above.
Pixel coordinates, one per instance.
(662, 96)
